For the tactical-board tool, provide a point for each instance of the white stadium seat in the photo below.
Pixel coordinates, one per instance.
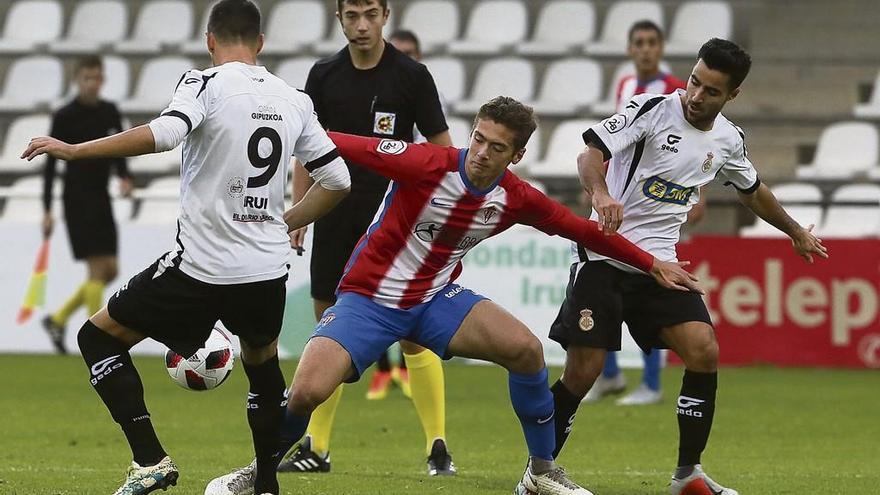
(802, 201)
(156, 163)
(94, 24)
(562, 151)
(18, 135)
(30, 24)
(435, 22)
(159, 22)
(534, 149)
(449, 76)
(32, 81)
(871, 109)
(510, 76)
(198, 45)
(620, 17)
(845, 149)
(334, 42)
(850, 220)
(459, 131)
(25, 201)
(160, 203)
(494, 25)
(155, 86)
(608, 105)
(295, 71)
(292, 25)
(569, 87)
(696, 22)
(562, 25)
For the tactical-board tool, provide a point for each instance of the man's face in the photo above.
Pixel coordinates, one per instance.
(407, 47)
(89, 81)
(707, 93)
(491, 150)
(363, 23)
(646, 50)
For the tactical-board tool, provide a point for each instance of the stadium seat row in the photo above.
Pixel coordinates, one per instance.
(493, 26)
(570, 86)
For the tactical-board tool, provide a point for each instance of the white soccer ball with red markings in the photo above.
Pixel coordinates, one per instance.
(207, 368)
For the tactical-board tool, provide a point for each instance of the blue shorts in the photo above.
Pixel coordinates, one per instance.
(366, 329)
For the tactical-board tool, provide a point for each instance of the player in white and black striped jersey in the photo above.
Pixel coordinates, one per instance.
(662, 149)
(239, 125)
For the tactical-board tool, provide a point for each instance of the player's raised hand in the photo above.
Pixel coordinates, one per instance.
(609, 210)
(807, 244)
(298, 239)
(49, 146)
(672, 275)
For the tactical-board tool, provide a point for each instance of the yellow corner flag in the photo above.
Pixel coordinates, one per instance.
(36, 290)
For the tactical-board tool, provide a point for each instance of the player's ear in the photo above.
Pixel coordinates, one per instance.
(212, 42)
(260, 40)
(518, 156)
(733, 94)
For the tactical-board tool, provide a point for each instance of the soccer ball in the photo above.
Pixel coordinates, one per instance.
(207, 368)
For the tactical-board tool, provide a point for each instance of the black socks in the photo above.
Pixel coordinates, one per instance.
(266, 404)
(696, 408)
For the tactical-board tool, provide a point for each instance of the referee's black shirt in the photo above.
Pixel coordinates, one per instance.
(77, 123)
(384, 101)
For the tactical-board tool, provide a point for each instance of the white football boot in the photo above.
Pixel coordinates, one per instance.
(698, 483)
(239, 482)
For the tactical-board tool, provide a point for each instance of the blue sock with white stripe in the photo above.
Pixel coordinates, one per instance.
(533, 403)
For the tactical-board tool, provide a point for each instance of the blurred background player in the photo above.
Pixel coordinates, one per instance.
(88, 212)
(391, 367)
(179, 298)
(368, 88)
(645, 48)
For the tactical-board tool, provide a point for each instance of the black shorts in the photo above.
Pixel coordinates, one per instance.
(179, 311)
(599, 297)
(335, 237)
(90, 226)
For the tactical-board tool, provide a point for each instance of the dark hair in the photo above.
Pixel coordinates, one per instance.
(512, 114)
(88, 62)
(406, 35)
(644, 25)
(727, 57)
(235, 20)
(340, 3)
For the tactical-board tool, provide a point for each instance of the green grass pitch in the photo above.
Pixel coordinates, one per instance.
(777, 431)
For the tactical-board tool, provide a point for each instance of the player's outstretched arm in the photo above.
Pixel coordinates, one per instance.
(136, 141)
(764, 204)
(317, 202)
(396, 160)
(591, 170)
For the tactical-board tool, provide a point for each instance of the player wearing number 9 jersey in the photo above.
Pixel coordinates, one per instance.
(239, 126)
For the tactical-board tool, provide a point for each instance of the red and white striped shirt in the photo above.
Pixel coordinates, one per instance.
(630, 86)
(432, 215)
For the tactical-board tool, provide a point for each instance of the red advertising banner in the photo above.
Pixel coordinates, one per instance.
(770, 306)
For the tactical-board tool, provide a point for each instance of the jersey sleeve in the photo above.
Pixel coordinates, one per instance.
(396, 160)
(553, 218)
(315, 150)
(188, 102)
(429, 112)
(739, 171)
(621, 130)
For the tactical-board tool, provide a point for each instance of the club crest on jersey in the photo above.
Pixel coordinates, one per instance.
(586, 323)
(391, 147)
(666, 192)
(614, 123)
(235, 187)
(489, 214)
(383, 123)
(707, 163)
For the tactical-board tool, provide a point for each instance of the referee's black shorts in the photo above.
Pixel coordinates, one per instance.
(90, 225)
(335, 237)
(179, 311)
(600, 297)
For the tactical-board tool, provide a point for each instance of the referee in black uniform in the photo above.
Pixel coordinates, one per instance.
(87, 210)
(368, 88)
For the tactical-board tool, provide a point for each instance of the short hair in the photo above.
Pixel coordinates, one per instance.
(340, 3)
(88, 62)
(644, 25)
(727, 57)
(406, 35)
(235, 20)
(512, 114)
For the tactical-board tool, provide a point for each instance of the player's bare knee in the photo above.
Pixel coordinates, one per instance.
(304, 399)
(702, 356)
(583, 365)
(528, 356)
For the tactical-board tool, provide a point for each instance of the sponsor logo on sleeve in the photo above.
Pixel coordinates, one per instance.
(666, 191)
(614, 123)
(391, 147)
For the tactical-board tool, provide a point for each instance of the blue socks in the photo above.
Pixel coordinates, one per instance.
(292, 429)
(650, 376)
(533, 403)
